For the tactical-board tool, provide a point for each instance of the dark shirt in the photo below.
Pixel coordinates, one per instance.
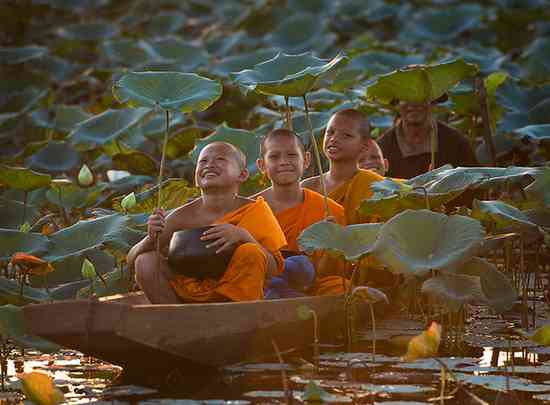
(453, 148)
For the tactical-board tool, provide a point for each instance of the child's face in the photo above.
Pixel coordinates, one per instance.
(373, 159)
(342, 139)
(217, 166)
(283, 161)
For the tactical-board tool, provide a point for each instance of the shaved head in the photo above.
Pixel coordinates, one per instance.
(358, 117)
(233, 151)
(281, 132)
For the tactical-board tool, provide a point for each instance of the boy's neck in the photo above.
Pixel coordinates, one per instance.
(287, 193)
(218, 200)
(340, 172)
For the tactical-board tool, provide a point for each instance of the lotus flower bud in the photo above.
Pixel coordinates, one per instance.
(128, 202)
(26, 227)
(85, 176)
(88, 270)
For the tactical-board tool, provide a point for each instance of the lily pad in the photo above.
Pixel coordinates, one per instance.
(501, 383)
(396, 389)
(174, 91)
(536, 62)
(287, 75)
(16, 104)
(13, 56)
(11, 213)
(164, 24)
(135, 162)
(535, 133)
(182, 54)
(55, 157)
(128, 52)
(106, 127)
(21, 178)
(444, 243)
(501, 214)
(420, 84)
(540, 188)
(236, 63)
(61, 117)
(91, 31)
(12, 241)
(453, 363)
(352, 242)
(56, 69)
(246, 141)
(11, 293)
(454, 290)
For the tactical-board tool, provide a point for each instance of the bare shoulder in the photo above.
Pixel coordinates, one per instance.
(245, 200)
(312, 183)
(264, 193)
(179, 215)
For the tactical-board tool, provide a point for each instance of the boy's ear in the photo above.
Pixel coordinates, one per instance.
(243, 176)
(260, 163)
(307, 159)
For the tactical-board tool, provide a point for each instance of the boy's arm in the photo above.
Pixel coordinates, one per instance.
(144, 245)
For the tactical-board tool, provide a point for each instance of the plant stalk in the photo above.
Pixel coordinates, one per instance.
(288, 115)
(486, 119)
(373, 332)
(317, 157)
(25, 196)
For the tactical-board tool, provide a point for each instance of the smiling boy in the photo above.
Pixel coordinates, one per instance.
(283, 160)
(240, 223)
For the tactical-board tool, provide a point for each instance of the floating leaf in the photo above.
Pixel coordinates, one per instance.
(174, 91)
(18, 103)
(11, 292)
(185, 56)
(287, 75)
(502, 383)
(13, 56)
(40, 388)
(12, 241)
(236, 63)
(24, 179)
(314, 393)
(128, 52)
(62, 118)
(92, 31)
(165, 23)
(444, 243)
(55, 157)
(352, 242)
(106, 127)
(424, 345)
(535, 133)
(420, 84)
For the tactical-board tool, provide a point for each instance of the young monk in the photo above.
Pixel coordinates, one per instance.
(373, 159)
(283, 160)
(347, 138)
(249, 225)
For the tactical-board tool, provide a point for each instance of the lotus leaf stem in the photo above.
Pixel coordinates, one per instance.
(373, 332)
(425, 192)
(25, 195)
(159, 200)
(315, 337)
(433, 142)
(288, 115)
(288, 393)
(317, 157)
(479, 84)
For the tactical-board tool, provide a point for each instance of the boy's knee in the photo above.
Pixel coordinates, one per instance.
(250, 250)
(145, 266)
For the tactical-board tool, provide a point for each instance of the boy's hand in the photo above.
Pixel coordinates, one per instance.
(156, 223)
(226, 235)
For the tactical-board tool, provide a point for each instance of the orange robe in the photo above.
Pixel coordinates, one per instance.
(353, 192)
(294, 220)
(246, 273)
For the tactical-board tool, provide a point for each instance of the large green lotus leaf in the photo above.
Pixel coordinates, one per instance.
(69, 195)
(13, 56)
(11, 213)
(12, 241)
(420, 84)
(56, 69)
(173, 91)
(23, 179)
(12, 293)
(319, 122)
(128, 52)
(246, 141)
(61, 117)
(442, 24)
(90, 31)
(128, 184)
(236, 63)
(417, 241)
(301, 32)
(540, 188)
(164, 24)
(380, 62)
(536, 60)
(540, 217)
(12, 326)
(497, 289)
(135, 162)
(352, 242)
(154, 126)
(16, 104)
(534, 133)
(181, 143)
(175, 192)
(84, 236)
(106, 127)
(287, 75)
(454, 290)
(116, 282)
(488, 59)
(517, 98)
(500, 213)
(55, 157)
(188, 57)
(312, 6)
(77, 6)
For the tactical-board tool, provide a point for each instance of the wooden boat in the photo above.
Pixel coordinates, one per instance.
(147, 339)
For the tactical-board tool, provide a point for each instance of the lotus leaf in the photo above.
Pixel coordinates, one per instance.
(396, 389)
(540, 188)
(106, 127)
(12, 293)
(287, 75)
(116, 282)
(181, 143)
(135, 162)
(56, 69)
(24, 179)
(246, 141)
(454, 290)
(154, 126)
(13, 56)
(502, 383)
(55, 157)
(92, 31)
(76, 5)
(535, 133)
(301, 32)
(61, 118)
(172, 91)
(164, 24)
(353, 242)
(128, 183)
(501, 214)
(12, 241)
(12, 212)
(497, 289)
(236, 63)
(12, 326)
(444, 243)
(16, 104)
(187, 57)
(175, 192)
(379, 62)
(71, 196)
(420, 84)
(536, 62)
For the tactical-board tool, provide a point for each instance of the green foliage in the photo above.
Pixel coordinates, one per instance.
(13, 56)
(24, 179)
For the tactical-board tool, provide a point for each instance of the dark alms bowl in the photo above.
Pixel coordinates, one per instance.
(188, 255)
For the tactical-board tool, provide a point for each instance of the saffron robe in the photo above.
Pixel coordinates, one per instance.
(351, 193)
(246, 272)
(294, 220)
